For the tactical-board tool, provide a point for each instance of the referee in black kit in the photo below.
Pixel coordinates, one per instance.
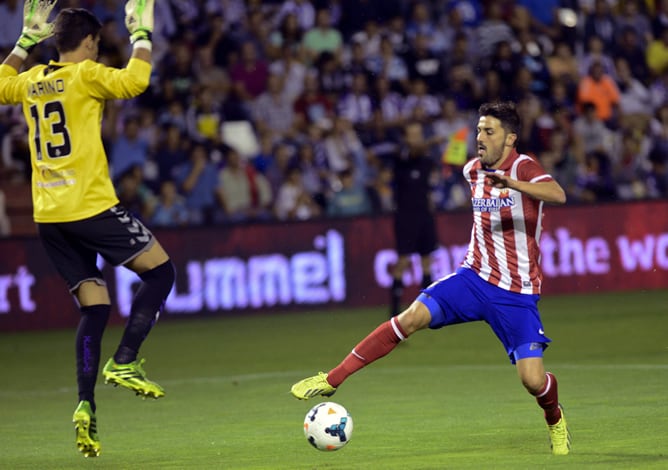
(414, 224)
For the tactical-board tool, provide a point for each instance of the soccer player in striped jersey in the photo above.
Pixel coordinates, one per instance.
(499, 280)
(75, 205)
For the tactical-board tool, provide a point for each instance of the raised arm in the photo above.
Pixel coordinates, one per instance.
(139, 21)
(36, 28)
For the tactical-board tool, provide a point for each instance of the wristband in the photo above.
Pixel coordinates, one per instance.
(20, 52)
(143, 44)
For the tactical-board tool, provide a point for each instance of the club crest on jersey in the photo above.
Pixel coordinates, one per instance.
(493, 203)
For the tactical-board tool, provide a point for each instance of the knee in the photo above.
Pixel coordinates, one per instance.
(161, 277)
(534, 383)
(414, 318)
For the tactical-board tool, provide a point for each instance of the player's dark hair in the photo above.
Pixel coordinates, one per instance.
(505, 112)
(72, 26)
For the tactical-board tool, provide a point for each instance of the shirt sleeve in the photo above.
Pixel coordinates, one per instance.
(111, 83)
(532, 171)
(12, 85)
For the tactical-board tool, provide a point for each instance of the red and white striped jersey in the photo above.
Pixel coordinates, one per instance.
(506, 226)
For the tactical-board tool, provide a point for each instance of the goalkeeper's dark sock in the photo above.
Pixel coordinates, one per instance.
(548, 399)
(145, 310)
(88, 347)
(396, 292)
(378, 344)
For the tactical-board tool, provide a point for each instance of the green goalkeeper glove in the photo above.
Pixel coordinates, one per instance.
(139, 19)
(36, 27)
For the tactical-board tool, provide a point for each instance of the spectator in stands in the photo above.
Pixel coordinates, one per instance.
(423, 21)
(595, 51)
(423, 64)
(173, 113)
(656, 179)
(388, 103)
(171, 151)
(628, 48)
(350, 199)
(129, 150)
(601, 24)
(600, 89)
(323, 37)
(134, 194)
(492, 30)
(334, 77)
(286, 35)
(204, 118)
(344, 148)
(356, 106)
(381, 191)
(450, 121)
(369, 38)
(420, 97)
(315, 174)
(301, 10)
(313, 106)
(249, 75)
(559, 161)
(273, 111)
(217, 36)
(504, 61)
(631, 16)
(210, 75)
(290, 66)
(563, 65)
(177, 73)
(659, 17)
(170, 209)
(389, 65)
(293, 201)
(594, 180)
(542, 15)
(197, 180)
(243, 193)
(635, 101)
(282, 157)
(657, 54)
(590, 132)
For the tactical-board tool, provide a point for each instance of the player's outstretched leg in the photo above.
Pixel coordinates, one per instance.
(376, 345)
(85, 428)
(133, 377)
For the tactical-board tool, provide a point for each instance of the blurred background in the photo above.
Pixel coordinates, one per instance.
(239, 154)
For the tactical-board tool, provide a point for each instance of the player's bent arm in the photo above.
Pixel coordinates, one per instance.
(548, 191)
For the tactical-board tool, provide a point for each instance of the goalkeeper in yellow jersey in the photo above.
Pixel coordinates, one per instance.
(75, 205)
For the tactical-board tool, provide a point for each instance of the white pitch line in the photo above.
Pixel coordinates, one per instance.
(382, 370)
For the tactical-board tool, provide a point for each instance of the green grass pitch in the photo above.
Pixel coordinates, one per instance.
(446, 399)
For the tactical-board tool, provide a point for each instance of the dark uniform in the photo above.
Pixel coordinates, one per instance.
(414, 226)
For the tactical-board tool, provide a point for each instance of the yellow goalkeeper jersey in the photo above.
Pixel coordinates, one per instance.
(63, 104)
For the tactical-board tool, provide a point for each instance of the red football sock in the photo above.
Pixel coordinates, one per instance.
(548, 399)
(379, 343)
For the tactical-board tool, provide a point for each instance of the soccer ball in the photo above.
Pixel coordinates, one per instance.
(328, 426)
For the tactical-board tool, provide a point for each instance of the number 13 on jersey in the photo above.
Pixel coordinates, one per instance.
(56, 138)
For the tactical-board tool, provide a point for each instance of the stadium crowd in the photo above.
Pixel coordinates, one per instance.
(293, 109)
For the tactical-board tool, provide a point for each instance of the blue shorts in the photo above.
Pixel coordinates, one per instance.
(465, 297)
